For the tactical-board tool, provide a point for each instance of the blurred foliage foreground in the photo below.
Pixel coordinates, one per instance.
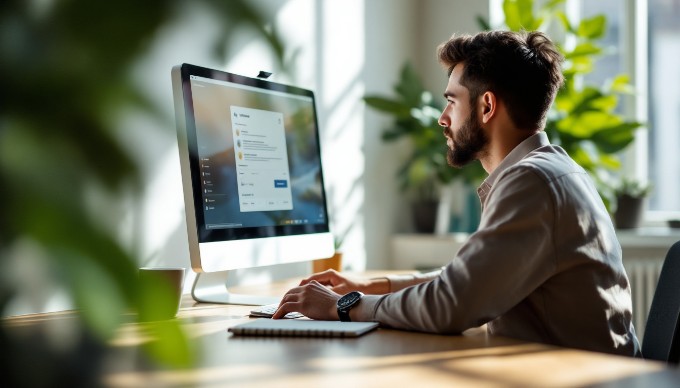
(65, 80)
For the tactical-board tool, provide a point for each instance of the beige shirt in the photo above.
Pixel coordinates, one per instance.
(544, 266)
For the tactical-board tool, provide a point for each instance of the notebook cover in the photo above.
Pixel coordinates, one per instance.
(302, 328)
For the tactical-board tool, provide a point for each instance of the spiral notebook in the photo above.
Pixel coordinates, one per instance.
(302, 328)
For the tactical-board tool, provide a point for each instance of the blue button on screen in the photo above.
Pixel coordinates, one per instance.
(280, 183)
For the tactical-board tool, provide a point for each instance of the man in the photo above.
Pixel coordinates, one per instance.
(545, 264)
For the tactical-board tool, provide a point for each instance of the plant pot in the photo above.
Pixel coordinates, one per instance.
(424, 216)
(628, 211)
(333, 262)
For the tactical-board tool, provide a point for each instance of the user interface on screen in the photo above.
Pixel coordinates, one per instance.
(257, 161)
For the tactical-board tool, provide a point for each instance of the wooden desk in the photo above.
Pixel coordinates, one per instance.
(383, 358)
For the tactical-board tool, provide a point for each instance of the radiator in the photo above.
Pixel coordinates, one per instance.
(643, 275)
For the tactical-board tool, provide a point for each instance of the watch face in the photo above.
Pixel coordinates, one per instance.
(349, 299)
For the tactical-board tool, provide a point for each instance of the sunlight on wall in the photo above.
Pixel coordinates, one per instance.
(252, 57)
(163, 214)
(323, 56)
(341, 67)
(325, 53)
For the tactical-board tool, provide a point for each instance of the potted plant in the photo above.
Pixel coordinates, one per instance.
(335, 261)
(630, 197)
(583, 119)
(425, 171)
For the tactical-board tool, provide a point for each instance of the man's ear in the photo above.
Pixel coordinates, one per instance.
(488, 105)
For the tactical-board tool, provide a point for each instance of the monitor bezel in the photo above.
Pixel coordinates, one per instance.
(212, 235)
(208, 252)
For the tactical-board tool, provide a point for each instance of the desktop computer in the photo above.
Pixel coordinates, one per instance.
(252, 177)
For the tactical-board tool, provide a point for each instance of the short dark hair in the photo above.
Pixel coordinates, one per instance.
(522, 68)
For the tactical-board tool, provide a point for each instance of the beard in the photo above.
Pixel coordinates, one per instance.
(468, 142)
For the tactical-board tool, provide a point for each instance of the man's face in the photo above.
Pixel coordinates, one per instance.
(465, 136)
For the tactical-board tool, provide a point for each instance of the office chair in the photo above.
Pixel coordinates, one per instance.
(662, 333)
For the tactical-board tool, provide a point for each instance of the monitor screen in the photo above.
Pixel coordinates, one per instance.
(251, 169)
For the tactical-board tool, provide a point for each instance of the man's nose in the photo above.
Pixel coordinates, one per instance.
(443, 120)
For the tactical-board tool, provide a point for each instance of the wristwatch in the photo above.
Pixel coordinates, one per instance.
(346, 303)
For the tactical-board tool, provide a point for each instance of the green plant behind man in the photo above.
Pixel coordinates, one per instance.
(415, 113)
(584, 118)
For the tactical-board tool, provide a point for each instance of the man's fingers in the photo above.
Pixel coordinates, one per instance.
(290, 302)
(284, 309)
(287, 299)
(326, 277)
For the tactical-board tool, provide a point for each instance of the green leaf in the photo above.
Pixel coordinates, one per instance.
(536, 25)
(564, 100)
(605, 103)
(519, 15)
(586, 49)
(387, 105)
(94, 292)
(584, 159)
(583, 65)
(589, 99)
(590, 123)
(526, 14)
(610, 162)
(410, 87)
(483, 23)
(587, 124)
(565, 22)
(551, 5)
(512, 15)
(592, 28)
(621, 84)
(420, 171)
(396, 132)
(633, 187)
(168, 343)
(616, 138)
(581, 100)
(621, 79)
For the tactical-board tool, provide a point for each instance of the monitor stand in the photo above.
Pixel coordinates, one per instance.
(211, 287)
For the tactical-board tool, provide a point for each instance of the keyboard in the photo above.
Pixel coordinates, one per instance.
(268, 310)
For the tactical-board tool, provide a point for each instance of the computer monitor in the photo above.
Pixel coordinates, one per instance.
(251, 171)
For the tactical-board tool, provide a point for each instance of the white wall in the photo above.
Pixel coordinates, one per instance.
(391, 35)
(439, 19)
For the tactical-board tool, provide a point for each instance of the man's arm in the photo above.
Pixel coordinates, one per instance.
(508, 258)
(399, 282)
(316, 295)
(342, 284)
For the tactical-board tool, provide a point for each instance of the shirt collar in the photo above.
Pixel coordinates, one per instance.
(529, 144)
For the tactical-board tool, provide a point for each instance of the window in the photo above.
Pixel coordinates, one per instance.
(663, 104)
(644, 41)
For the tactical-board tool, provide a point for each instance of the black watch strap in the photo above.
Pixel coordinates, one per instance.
(343, 315)
(346, 303)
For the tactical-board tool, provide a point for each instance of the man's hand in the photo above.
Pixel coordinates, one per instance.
(312, 299)
(341, 284)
